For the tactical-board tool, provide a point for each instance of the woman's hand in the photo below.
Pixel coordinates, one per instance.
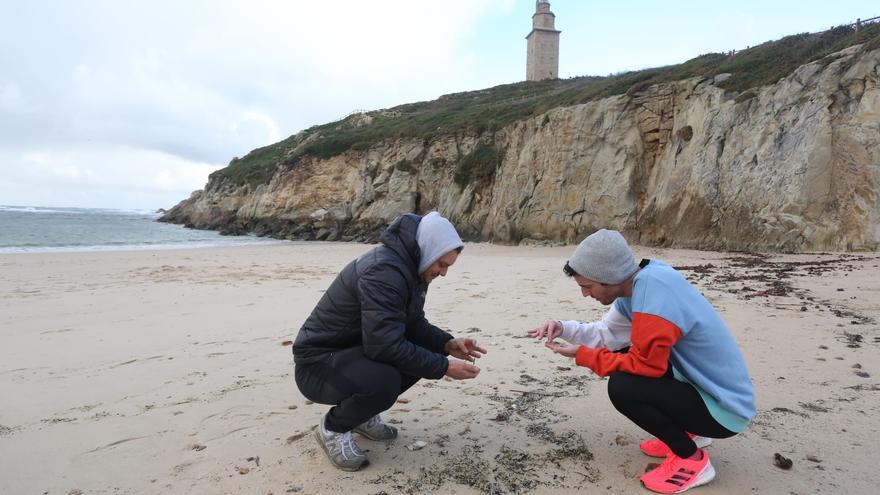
(551, 329)
(567, 350)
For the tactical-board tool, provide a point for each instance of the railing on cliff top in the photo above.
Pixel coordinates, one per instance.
(383, 112)
(862, 22)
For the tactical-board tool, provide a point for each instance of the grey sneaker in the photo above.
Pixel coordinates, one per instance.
(376, 429)
(340, 449)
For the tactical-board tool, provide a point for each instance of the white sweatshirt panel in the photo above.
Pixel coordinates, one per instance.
(612, 332)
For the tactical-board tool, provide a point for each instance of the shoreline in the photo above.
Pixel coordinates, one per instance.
(164, 371)
(139, 247)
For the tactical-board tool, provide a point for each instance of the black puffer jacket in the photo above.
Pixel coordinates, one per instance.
(377, 301)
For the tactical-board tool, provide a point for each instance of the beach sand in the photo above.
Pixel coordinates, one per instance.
(167, 372)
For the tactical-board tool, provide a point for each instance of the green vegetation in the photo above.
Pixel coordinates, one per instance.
(479, 165)
(771, 61)
(477, 112)
(258, 166)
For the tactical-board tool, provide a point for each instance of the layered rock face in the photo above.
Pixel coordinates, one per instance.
(793, 167)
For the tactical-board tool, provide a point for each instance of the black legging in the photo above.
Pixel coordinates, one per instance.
(357, 387)
(666, 408)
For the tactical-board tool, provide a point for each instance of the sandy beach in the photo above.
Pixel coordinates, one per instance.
(167, 372)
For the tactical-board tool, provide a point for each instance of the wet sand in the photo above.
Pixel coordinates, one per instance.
(167, 372)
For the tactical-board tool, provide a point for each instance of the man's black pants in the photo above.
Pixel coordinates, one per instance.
(357, 387)
(666, 408)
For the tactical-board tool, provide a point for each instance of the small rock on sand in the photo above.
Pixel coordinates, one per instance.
(296, 436)
(417, 445)
(782, 462)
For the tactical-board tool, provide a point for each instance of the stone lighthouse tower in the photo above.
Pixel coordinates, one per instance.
(543, 50)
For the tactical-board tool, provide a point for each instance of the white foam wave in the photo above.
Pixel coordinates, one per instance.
(29, 209)
(83, 211)
(249, 241)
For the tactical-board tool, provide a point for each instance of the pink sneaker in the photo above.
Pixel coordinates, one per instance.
(676, 475)
(656, 448)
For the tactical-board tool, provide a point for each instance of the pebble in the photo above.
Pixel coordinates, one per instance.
(781, 461)
(296, 436)
(417, 445)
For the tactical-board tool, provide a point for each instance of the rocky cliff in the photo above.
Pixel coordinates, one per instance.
(791, 166)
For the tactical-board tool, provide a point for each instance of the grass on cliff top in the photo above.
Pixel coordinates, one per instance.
(478, 112)
(258, 166)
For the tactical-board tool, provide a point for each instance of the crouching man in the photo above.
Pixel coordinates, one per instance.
(368, 341)
(675, 369)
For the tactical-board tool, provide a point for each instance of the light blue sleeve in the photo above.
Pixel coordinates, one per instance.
(623, 305)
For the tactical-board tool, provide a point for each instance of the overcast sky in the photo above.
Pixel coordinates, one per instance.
(131, 104)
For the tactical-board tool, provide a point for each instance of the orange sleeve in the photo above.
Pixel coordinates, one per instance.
(652, 340)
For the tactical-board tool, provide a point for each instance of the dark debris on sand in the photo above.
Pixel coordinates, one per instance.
(757, 276)
(529, 405)
(510, 471)
(562, 459)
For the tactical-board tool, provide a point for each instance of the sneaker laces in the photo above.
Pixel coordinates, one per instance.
(345, 440)
(666, 465)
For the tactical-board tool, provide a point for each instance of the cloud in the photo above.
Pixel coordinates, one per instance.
(115, 176)
(11, 98)
(149, 97)
(273, 132)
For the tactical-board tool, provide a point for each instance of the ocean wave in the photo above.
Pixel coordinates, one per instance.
(30, 209)
(162, 246)
(146, 213)
(82, 211)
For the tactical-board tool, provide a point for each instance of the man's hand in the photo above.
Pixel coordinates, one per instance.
(461, 370)
(567, 350)
(551, 329)
(464, 348)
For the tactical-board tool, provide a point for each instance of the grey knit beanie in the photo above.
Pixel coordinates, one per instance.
(604, 256)
(436, 236)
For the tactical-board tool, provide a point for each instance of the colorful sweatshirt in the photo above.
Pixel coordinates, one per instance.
(673, 323)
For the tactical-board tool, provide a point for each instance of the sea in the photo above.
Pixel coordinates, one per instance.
(27, 229)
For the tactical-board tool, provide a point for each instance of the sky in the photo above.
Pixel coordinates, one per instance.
(132, 103)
